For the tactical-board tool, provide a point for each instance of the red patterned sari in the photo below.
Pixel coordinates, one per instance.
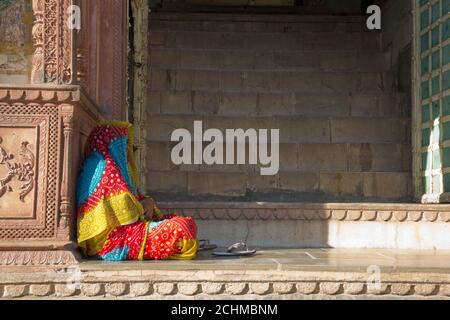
(111, 222)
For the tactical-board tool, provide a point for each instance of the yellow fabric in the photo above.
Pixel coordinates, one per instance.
(95, 225)
(189, 250)
(142, 250)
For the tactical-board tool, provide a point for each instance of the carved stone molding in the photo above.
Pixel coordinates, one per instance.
(310, 211)
(224, 289)
(37, 258)
(28, 217)
(22, 171)
(44, 128)
(53, 56)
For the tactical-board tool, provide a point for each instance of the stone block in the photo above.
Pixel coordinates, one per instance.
(229, 184)
(158, 156)
(394, 105)
(246, 60)
(197, 80)
(299, 181)
(157, 38)
(347, 130)
(299, 82)
(256, 182)
(160, 128)
(289, 157)
(166, 181)
(161, 79)
(372, 82)
(375, 157)
(164, 58)
(299, 59)
(275, 104)
(328, 105)
(406, 157)
(342, 184)
(394, 185)
(232, 80)
(332, 40)
(353, 61)
(370, 42)
(154, 103)
(258, 81)
(205, 103)
(199, 59)
(176, 102)
(365, 105)
(340, 82)
(323, 157)
(304, 130)
(237, 104)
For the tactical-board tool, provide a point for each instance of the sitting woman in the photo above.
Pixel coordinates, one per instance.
(115, 222)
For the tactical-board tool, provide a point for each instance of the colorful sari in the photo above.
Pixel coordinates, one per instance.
(110, 218)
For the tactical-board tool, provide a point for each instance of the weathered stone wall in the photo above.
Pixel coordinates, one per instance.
(397, 26)
(16, 44)
(324, 82)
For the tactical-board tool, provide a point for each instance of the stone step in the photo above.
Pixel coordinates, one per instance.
(292, 129)
(263, 104)
(256, 23)
(303, 40)
(320, 225)
(241, 60)
(296, 274)
(285, 186)
(314, 157)
(271, 81)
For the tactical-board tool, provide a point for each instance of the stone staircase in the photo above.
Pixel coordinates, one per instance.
(322, 80)
(345, 150)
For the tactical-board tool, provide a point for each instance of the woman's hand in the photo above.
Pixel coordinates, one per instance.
(149, 208)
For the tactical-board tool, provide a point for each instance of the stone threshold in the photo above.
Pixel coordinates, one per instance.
(272, 274)
(398, 212)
